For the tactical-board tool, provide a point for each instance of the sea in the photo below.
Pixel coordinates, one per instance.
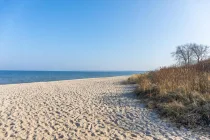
(15, 77)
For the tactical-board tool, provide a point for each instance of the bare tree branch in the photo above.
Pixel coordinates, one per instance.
(189, 53)
(200, 51)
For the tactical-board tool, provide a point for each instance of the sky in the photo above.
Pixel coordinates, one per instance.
(98, 34)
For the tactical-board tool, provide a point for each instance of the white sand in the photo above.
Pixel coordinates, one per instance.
(100, 108)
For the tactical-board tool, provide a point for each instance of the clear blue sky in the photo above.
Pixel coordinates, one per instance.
(98, 34)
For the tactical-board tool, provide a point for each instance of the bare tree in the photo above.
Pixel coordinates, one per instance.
(189, 53)
(199, 51)
(183, 54)
(180, 55)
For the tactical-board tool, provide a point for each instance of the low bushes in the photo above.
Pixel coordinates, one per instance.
(179, 93)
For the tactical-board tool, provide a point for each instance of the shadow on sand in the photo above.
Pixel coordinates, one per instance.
(132, 115)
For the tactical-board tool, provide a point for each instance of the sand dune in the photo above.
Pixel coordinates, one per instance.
(99, 108)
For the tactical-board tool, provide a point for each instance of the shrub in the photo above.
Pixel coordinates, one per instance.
(134, 79)
(179, 93)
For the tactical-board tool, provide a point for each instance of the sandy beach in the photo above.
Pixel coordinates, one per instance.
(98, 108)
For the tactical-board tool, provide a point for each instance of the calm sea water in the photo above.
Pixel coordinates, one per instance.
(13, 77)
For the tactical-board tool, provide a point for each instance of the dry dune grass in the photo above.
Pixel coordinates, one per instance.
(134, 78)
(179, 93)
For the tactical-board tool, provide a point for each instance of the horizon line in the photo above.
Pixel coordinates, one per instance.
(81, 70)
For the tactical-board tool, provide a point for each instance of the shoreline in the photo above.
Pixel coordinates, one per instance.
(127, 76)
(93, 108)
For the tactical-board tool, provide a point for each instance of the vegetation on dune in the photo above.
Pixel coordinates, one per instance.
(180, 93)
(134, 78)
